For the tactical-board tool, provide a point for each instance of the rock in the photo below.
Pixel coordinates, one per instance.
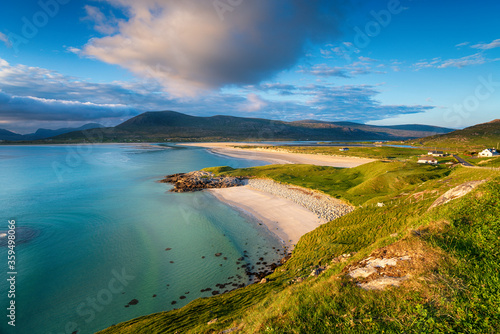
(167, 249)
(195, 181)
(213, 321)
(316, 271)
(362, 272)
(133, 302)
(382, 283)
(264, 280)
(456, 192)
(218, 254)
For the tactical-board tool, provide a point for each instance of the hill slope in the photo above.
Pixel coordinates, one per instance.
(476, 137)
(170, 125)
(9, 135)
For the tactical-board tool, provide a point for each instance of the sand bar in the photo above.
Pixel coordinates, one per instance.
(281, 157)
(286, 219)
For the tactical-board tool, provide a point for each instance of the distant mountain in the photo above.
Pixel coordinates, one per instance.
(473, 138)
(9, 135)
(420, 127)
(44, 133)
(398, 131)
(174, 126)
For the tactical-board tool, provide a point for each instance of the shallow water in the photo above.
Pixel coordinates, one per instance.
(93, 225)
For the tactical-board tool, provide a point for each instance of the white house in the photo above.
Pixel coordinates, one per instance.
(436, 153)
(489, 152)
(427, 160)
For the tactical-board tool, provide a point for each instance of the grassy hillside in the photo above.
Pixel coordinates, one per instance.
(474, 138)
(365, 184)
(454, 284)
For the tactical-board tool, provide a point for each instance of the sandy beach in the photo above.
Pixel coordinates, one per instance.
(282, 216)
(286, 219)
(287, 211)
(281, 157)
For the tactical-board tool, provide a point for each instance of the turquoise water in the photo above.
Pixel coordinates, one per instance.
(93, 226)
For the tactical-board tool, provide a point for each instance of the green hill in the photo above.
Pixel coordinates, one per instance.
(451, 273)
(474, 138)
(173, 126)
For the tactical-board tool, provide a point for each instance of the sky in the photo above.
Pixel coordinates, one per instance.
(65, 63)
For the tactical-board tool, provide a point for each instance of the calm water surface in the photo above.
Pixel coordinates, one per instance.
(93, 226)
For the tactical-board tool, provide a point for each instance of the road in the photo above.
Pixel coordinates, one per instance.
(463, 162)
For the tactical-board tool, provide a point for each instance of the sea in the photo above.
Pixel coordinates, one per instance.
(99, 241)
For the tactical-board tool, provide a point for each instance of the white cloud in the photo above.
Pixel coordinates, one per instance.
(475, 59)
(462, 44)
(33, 97)
(73, 50)
(102, 23)
(255, 103)
(5, 39)
(487, 46)
(364, 65)
(472, 60)
(188, 48)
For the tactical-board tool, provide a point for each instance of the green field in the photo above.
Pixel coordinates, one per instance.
(483, 162)
(456, 287)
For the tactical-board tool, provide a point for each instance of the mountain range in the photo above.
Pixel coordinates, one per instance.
(43, 133)
(174, 126)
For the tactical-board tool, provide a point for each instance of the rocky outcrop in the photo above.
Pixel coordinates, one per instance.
(457, 192)
(195, 181)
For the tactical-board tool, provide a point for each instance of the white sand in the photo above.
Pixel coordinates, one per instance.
(286, 219)
(281, 157)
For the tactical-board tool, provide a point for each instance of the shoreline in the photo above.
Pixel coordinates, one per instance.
(280, 157)
(283, 218)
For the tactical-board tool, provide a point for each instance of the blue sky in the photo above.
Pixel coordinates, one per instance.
(68, 62)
